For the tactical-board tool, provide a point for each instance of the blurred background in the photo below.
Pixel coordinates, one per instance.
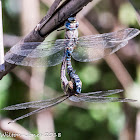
(107, 121)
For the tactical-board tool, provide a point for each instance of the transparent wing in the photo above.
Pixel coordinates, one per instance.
(35, 104)
(39, 49)
(99, 99)
(102, 93)
(43, 107)
(47, 61)
(94, 47)
(37, 54)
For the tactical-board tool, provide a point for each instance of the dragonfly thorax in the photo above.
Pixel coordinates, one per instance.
(71, 34)
(71, 28)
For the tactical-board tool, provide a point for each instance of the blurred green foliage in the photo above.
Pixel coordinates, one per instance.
(98, 121)
(4, 87)
(90, 74)
(136, 4)
(127, 15)
(11, 17)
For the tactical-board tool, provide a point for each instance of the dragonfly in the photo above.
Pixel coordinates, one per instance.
(70, 93)
(83, 49)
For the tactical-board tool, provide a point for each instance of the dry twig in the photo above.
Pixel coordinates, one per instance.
(15, 130)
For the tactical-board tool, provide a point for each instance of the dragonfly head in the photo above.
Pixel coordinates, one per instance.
(72, 23)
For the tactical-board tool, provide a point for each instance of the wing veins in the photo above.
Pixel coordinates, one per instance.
(38, 110)
(33, 104)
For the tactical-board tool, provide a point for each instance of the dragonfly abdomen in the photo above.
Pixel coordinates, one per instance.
(73, 76)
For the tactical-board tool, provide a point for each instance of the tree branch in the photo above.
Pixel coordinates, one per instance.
(49, 14)
(67, 9)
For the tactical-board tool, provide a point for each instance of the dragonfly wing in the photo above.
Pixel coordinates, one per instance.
(104, 99)
(91, 54)
(94, 47)
(74, 98)
(39, 49)
(47, 61)
(38, 110)
(27, 115)
(35, 104)
(37, 54)
(102, 93)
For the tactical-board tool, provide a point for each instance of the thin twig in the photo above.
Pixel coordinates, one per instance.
(45, 124)
(23, 75)
(14, 130)
(137, 134)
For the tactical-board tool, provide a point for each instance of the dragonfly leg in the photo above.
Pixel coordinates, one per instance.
(64, 81)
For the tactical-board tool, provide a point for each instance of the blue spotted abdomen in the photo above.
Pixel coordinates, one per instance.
(73, 76)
